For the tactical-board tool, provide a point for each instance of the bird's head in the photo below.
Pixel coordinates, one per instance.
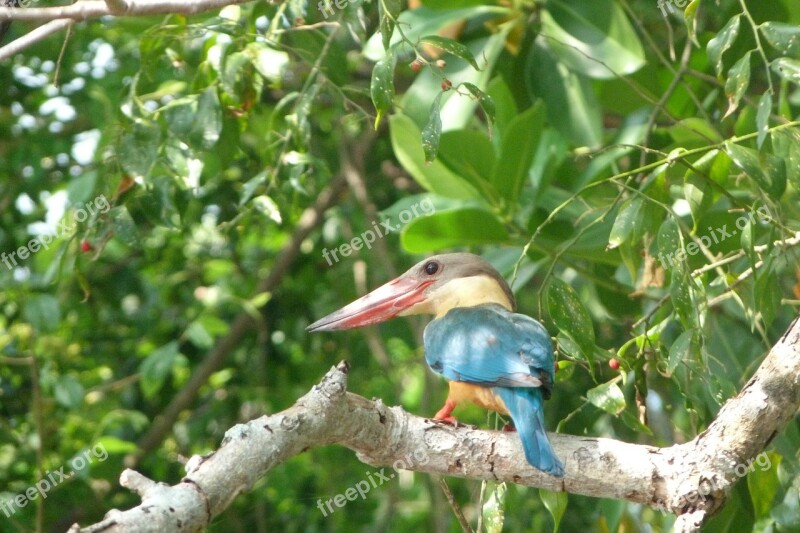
(432, 286)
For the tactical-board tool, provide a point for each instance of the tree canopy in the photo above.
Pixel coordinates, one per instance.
(185, 186)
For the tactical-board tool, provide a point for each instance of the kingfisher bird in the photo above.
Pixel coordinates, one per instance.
(491, 356)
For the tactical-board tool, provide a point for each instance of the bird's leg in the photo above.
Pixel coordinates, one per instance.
(444, 414)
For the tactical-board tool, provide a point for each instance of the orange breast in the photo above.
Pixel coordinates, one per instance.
(481, 396)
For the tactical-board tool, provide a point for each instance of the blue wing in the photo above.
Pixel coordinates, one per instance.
(510, 353)
(490, 346)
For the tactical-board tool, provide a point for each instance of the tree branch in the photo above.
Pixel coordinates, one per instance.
(691, 480)
(60, 17)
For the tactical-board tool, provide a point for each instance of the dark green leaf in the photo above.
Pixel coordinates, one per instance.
(768, 171)
(767, 296)
(516, 152)
(681, 349)
(721, 42)
(389, 10)
(381, 88)
(762, 117)
(571, 318)
(138, 148)
(572, 107)
(484, 100)
(737, 83)
(469, 154)
(629, 216)
(681, 289)
(452, 47)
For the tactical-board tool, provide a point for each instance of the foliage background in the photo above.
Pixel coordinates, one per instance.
(594, 137)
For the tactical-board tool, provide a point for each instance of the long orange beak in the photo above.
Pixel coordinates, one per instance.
(385, 302)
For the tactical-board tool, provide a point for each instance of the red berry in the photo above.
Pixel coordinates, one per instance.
(446, 85)
(86, 246)
(416, 66)
(614, 364)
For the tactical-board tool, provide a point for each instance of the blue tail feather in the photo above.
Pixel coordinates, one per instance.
(525, 406)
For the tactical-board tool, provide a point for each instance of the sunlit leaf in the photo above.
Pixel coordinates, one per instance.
(737, 82)
(432, 130)
(556, 504)
(785, 38)
(608, 397)
(762, 117)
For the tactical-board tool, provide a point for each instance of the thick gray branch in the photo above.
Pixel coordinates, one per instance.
(690, 480)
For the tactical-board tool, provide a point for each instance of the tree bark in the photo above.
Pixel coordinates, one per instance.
(690, 480)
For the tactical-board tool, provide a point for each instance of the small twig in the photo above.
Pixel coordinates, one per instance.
(454, 506)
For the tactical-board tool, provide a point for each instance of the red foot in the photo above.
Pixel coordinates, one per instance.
(509, 428)
(444, 414)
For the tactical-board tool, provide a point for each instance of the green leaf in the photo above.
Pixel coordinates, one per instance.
(608, 397)
(693, 131)
(42, 312)
(669, 243)
(721, 42)
(628, 218)
(737, 83)
(156, 367)
(516, 152)
(452, 47)
(124, 227)
(494, 510)
(68, 392)
(786, 144)
(785, 38)
(762, 117)
(681, 349)
(455, 228)
(469, 154)
(767, 296)
(138, 148)
(572, 107)
(432, 130)
(681, 289)
(788, 69)
(381, 87)
(762, 482)
(198, 335)
(690, 19)
(592, 38)
(504, 100)
(698, 193)
(388, 10)
(556, 504)
(434, 177)
(767, 170)
(570, 317)
(484, 100)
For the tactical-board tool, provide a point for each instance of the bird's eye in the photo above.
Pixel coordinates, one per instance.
(431, 268)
